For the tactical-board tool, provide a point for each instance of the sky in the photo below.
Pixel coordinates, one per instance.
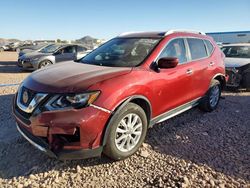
(73, 19)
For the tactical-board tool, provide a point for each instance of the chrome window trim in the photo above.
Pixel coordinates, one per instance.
(187, 49)
(207, 47)
(158, 55)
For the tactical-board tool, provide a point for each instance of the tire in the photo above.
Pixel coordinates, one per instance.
(119, 136)
(212, 97)
(44, 63)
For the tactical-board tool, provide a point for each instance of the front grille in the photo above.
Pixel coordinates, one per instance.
(21, 114)
(30, 96)
(28, 103)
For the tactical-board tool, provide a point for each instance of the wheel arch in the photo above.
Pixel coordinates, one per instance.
(140, 100)
(42, 60)
(221, 78)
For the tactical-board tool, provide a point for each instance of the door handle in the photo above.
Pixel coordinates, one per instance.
(211, 64)
(189, 71)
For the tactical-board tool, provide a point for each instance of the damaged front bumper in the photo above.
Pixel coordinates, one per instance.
(66, 134)
(234, 77)
(40, 144)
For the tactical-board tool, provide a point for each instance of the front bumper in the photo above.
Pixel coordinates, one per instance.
(234, 77)
(63, 154)
(47, 131)
(27, 65)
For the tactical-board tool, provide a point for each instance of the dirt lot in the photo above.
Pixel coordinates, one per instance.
(194, 149)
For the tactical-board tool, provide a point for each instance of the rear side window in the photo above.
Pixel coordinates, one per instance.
(176, 48)
(197, 48)
(210, 47)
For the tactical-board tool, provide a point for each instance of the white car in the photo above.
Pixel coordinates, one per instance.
(237, 64)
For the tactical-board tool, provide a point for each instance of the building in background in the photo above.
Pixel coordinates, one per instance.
(231, 37)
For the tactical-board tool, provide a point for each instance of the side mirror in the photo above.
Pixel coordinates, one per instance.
(167, 62)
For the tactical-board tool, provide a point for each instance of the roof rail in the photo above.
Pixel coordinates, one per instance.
(129, 32)
(184, 31)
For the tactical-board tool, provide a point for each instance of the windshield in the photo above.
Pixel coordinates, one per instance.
(236, 51)
(121, 52)
(39, 46)
(50, 49)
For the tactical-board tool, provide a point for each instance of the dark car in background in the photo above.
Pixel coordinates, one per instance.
(237, 65)
(19, 46)
(16, 46)
(50, 55)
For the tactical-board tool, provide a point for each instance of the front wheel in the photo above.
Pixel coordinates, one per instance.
(127, 132)
(212, 98)
(44, 64)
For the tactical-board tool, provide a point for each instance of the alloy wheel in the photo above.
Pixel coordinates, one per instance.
(45, 64)
(128, 132)
(214, 96)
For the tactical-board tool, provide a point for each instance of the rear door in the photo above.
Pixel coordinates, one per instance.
(177, 82)
(200, 64)
(66, 54)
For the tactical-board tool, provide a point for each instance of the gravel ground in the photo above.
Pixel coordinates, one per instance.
(194, 149)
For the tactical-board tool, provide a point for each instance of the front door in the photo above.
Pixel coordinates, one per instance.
(66, 54)
(175, 84)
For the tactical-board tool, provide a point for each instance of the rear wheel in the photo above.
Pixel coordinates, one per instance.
(212, 98)
(44, 63)
(128, 131)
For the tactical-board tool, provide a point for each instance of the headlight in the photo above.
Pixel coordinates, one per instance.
(69, 101)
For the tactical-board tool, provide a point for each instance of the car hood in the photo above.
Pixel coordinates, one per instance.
(26, 51)
(35, 54)
(236, 62)
(70, 77)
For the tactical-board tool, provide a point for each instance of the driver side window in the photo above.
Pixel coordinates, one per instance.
(69, 49)
(176, 48)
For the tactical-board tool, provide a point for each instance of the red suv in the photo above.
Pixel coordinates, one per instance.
(106, 102)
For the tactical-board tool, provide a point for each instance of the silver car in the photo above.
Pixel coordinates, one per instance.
(50, 55)
(33, 48)
(237, 65)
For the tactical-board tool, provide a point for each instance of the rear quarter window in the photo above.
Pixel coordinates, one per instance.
(197, 48)
(210, 47)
